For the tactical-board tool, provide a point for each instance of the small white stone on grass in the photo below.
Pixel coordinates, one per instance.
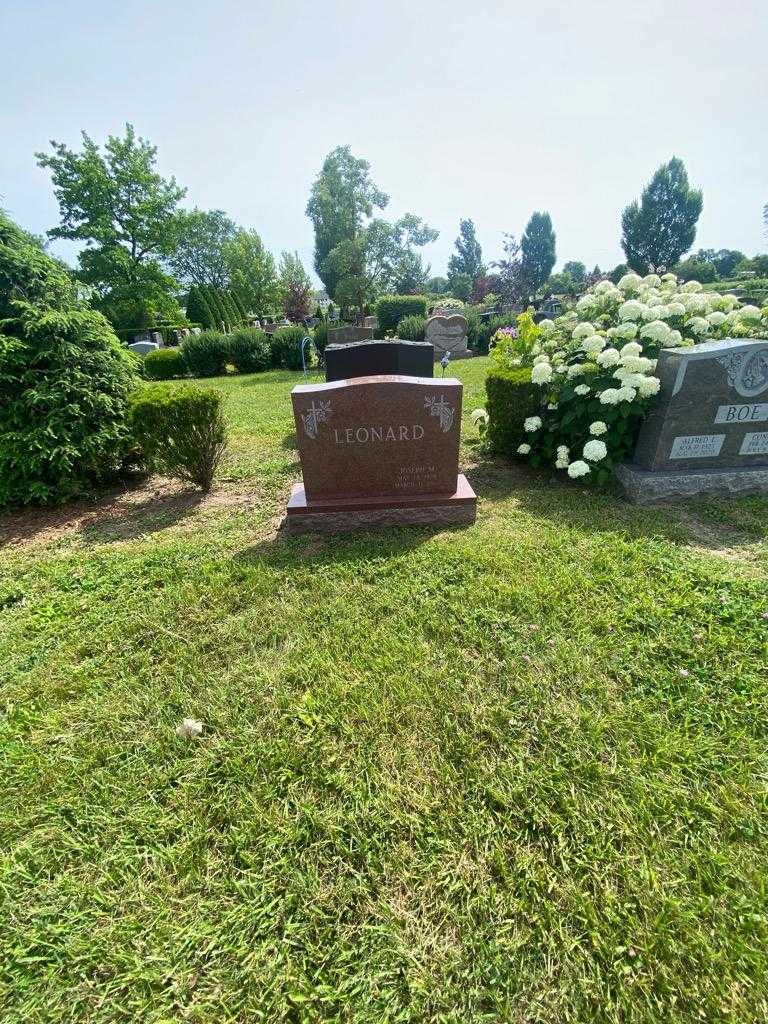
(189, 729)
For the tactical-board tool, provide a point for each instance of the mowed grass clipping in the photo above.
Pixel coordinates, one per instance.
(509, 773)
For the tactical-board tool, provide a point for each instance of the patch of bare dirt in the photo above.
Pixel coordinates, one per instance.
(121, 513)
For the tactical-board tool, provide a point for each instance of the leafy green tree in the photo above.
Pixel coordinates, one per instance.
(511, 283)
(537, 248)
(438, 285)
(125, 212)
(618, 272)
(377, 259)
(662, 226)
(461, 287)
(342, 198)
(468, 258)
(295, 287)
(198, 255)
(577, 271)
(696, 269)
(251, 272)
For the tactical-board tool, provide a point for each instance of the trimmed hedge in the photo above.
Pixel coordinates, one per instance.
(285, 346)
(179, 430)
(390, 309)
(205, 354)
(411, 328)
(164, 364)
(249, 350)
(511, 399)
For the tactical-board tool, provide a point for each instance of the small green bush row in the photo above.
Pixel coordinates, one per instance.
(249, 350)
(390, 309)
(512, 398)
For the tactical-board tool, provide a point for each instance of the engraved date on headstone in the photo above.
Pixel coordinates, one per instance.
(697, 446)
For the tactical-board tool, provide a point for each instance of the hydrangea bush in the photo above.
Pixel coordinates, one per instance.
(595, 365)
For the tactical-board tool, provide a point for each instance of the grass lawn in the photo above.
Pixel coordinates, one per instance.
(512, 773)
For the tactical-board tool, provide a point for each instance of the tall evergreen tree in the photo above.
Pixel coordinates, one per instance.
(468, 258)
(198, 310)
(537, 247)
(662, 226)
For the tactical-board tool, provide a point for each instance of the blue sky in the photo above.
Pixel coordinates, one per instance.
(488, 110)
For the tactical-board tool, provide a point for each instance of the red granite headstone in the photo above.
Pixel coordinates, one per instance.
(379, 450)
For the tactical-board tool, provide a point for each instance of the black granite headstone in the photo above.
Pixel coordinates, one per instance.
(372, 358)
(350, 333)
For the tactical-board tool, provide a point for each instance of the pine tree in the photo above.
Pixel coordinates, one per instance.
(468, 258)
(242, 312)
(537, 247)
(234, 316)
(662, 226)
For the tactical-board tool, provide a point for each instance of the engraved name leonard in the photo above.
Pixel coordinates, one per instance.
(320, 412)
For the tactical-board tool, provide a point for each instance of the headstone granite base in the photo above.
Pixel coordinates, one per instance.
(645, 486)
(338, 516)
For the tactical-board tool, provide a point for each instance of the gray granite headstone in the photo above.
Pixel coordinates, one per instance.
(448, 334)
(350, 334)
(708, 432)
(141, 348)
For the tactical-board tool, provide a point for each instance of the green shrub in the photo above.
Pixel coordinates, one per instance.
(390, 309)
(164, 364)
(205, 354)
(64, 380)
(511, 399)
(179, 430)
(285, 346)
(411, 328)
(249, 350)
(320, 336)
(198, 310)
(480, 331)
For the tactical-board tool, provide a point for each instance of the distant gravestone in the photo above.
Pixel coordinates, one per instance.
(708, 432)
(379, 451)
(448, 334)
(371, 321)
(141, 348)
(365, 358)
(349, 334)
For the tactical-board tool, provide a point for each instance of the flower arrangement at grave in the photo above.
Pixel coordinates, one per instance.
(595, 365)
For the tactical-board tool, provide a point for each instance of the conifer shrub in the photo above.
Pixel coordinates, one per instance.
(64, 380)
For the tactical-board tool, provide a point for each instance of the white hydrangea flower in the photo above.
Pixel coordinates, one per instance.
(717, 318)
(610, 396)
(662, 312)
(698, 325)
(696, 304)
(523, 449)
(595, 450)
(582, 331)
(605, 288)
(626, 394)
(628, 378)
(561, 463)
(626, 331)
(541, 358)
(749, 314)
(581, 389)
(577, 469)
(638, 364)
(631, 349)
(585, 302)
(629, 283)
(669, 279)
(652, 280)
(563, 451)
(574, 370)
(531, 424)
(631, 310)
(541, 373)
(657, 331)
(674, 340)
(675, 309)
(608, 357)
(649, 314)
(649, 386)
(691, 286)
(597, 428)
(593, 344)
(547, 326)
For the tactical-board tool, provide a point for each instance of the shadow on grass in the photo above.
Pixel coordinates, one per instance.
(129, 521)
(706, 522)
